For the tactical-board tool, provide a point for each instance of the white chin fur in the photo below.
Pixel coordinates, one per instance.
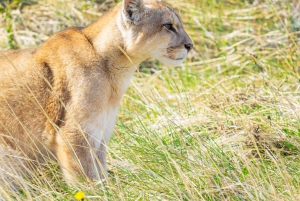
(171, 62)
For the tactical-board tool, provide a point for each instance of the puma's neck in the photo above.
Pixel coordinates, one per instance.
(108, 42)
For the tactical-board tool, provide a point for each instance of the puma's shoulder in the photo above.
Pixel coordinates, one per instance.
(65, 48)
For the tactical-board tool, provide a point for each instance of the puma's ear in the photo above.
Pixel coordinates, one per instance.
(133, 10)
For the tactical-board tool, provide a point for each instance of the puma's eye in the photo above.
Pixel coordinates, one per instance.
(169, 27)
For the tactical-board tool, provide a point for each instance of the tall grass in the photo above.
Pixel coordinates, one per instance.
(223, 126)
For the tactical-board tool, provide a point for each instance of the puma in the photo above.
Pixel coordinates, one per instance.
(62, 99)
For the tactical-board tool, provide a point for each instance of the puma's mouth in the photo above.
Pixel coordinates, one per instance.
(177, 59)
(171, 61)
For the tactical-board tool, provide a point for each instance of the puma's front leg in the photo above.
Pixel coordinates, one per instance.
(77, 156)
(101, 155)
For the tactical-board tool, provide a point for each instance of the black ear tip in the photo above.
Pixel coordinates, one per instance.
(129, 13)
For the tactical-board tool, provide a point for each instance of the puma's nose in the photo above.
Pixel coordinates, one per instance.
(189, 46)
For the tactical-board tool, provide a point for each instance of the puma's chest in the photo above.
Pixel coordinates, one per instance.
(100, 127)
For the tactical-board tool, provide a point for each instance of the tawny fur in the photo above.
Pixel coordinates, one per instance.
(62, 99)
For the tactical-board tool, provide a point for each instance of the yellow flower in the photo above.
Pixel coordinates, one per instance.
(79, 195)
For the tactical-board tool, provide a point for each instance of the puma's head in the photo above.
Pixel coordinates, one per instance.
(151, 29)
